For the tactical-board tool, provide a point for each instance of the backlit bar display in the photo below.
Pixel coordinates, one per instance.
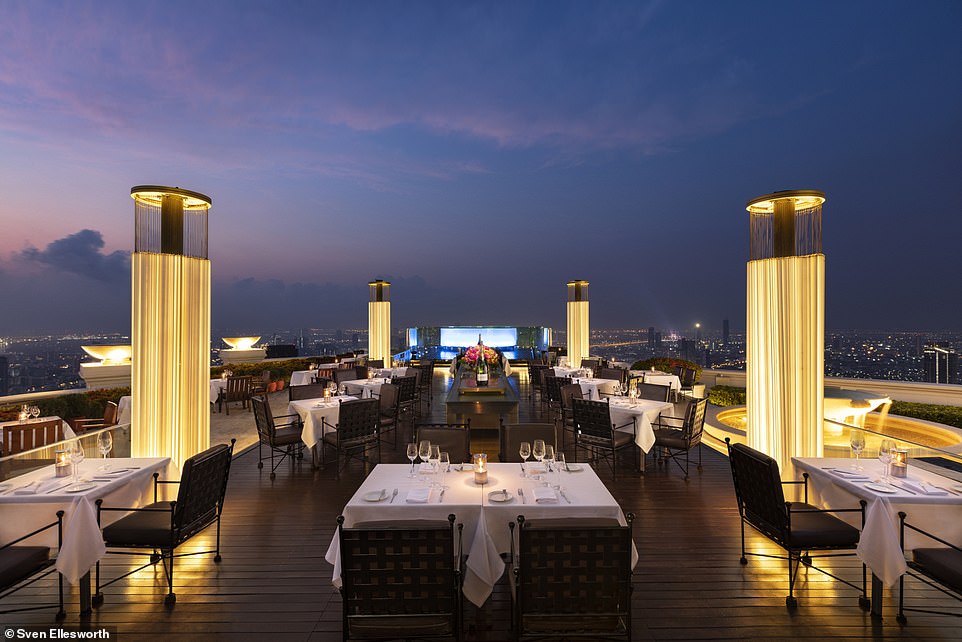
(464, 337)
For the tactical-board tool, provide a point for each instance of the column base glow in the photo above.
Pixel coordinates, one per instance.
(379, 331)
(578, 332)
(170, 408)
(785, 357)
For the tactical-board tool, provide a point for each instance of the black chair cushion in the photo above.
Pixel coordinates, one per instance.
(384, 627)
(150, 529)
(19, 562)
(670, 438)
(942, 564)
(286, 436)
(819, 530)
(331, 438)
(623, 438)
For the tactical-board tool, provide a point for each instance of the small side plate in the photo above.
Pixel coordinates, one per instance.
(574, 468)
(881, 488)
(79, 488)
(376, 496)
(500, 496)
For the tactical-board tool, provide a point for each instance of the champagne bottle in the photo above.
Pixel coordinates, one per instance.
(482, 378)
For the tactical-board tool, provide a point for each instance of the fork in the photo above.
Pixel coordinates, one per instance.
(441, 495)
(393, 495)
(521, 495)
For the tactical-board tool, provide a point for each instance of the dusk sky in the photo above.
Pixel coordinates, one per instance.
(479, 155)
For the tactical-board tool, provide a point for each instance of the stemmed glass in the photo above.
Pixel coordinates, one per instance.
(412, 455)
(858, 445)
(559, 465)
(885, 451)
(434, 458)
(538, 452)
(105, 442)
(445, 463)
(424, 450)
(35, 411)
(623, 388)
(549, 462)
(76, 458)
(525, 452)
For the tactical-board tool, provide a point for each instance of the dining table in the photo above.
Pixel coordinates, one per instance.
(68, 432)
(313, 414)
(365, 388)
(391, 493)
(32, 500)
(659, 378)
(593, 387)
(216, 387)
(930, 501)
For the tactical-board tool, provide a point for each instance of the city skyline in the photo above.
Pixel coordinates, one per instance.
(479, 156)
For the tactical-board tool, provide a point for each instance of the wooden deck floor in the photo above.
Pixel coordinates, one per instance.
(273, 582)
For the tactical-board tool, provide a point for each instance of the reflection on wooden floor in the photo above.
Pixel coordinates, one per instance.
(274, 584)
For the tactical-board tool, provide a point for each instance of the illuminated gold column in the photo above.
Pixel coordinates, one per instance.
(786, 326)
(578, 330)
(170, 324)
(379, 321)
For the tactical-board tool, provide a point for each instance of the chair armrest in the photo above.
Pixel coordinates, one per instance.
(624, 425)
(58, 524)
(664, 418)
(903, 525)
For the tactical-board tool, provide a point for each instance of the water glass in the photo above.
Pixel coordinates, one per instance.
(424, 450)
(538, 451)
(857, 442)
(524, 451)
(104, 443)
(412, 455)
(885, 453)
(76, 458)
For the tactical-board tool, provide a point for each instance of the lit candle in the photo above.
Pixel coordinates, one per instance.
(480, 468)
(900, 463)
(61, 463)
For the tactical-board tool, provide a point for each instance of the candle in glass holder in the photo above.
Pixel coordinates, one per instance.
(480, 468)
(62, 463)
(900, 463)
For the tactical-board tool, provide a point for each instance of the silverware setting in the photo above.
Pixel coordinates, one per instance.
(521, 495)
(55, 489)
(562, 493)
(393, 495)
(441, 495)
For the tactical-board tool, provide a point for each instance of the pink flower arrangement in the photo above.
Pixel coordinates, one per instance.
(473, 353)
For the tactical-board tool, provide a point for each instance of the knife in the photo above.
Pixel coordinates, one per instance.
(521, 495)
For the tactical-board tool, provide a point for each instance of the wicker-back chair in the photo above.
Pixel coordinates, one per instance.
(355, 432)
(345, 374)
(454, 439)
(567, 418)
(425, 381)
(615, 374)
(282, 438)
(594, 431)
(401, 581)
(163, 526)
(677, 435)
(798, 527)
(572, 579)
(654, 392)
(535, 379)
(513, 434)
(408, 386)
(306, 391)
(389, 409)
(552, 392)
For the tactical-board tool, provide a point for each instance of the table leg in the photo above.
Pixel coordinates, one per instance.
(85, 601)
(877, 589)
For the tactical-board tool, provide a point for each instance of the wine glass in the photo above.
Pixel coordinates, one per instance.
(549, 459)
(77, 454)
(525, 452)
(105, 442)
(886, 449)
(623, 388)
(434, 458)
(424, 450)
(35, 411)
(445, 463)
(538, 451)
(559, 465)
(412, 455)
(857, 443)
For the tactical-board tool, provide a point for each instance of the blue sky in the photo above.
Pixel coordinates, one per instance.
(479, 155)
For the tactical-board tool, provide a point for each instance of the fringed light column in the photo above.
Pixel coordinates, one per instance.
(578, 329)
(379, 321)
(170, 324)
(786, 326)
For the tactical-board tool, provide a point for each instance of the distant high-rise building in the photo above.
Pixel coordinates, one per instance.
(941, 363)
(658, 339)
(919, 345)
(651, 337)
(4, 378)
(707, 362)
(725, 332)
(355, 339)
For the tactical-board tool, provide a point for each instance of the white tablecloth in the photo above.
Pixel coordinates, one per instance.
(311, 412)
(83, 545)
(486, 534)
(303, 377)
(216, 385)
(591, 387)
(879, 543)
(364, 387)
(391, 372)
(642, 413)
(560, 371)
(664, 380)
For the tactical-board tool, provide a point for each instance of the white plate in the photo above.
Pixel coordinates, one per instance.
(500, 496)
(881, 488)
(79, 488)
(574, 468)
(376, 495)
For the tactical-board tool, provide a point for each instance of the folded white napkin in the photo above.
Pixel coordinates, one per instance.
(544, 495)
(849, 474)
(38, 487)
(927, 489)
(418, 495)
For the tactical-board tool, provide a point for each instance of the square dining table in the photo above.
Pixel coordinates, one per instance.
(33, 499)
(935, 506)
(365, 388)
(484, 510)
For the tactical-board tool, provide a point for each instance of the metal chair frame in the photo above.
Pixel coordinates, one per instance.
(919, 572)
(594, 431)
(691, 430)
(267, 433)
(38, 573)
(356, 429)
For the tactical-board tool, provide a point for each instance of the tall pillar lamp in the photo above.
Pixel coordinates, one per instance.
(786, 326)
(578, 330)
(170, 323)
(379, 321)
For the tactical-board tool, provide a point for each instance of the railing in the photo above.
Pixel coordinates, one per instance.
(23, 462)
